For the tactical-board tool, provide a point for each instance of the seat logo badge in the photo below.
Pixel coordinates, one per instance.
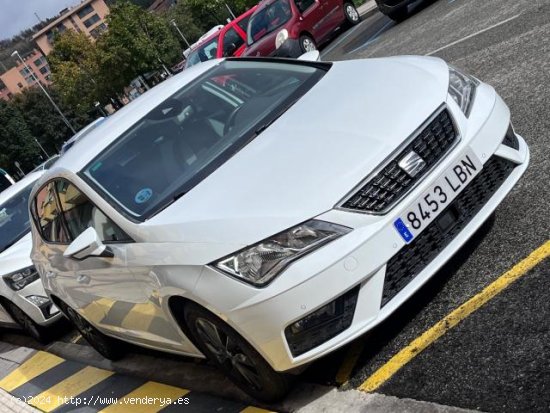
(412, 163)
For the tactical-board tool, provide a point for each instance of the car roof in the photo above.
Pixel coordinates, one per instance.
(116, 124)
(19, 185)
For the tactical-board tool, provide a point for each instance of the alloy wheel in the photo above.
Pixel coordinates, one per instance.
(352, 13)
(308, 45)
(228, 353)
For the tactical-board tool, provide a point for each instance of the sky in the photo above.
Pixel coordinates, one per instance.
(17, 15)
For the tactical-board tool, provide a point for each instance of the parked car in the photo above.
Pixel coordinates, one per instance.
(5, 180)
(289, 28)
(397, 10)
(80, 134)
(47, 164)
(228, 41)
(222, 217)
(23, 302)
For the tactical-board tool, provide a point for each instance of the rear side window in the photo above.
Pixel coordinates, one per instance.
(80, 214)
(231, 42)
(48, 217)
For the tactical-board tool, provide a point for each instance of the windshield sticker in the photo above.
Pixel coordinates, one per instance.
(143, 195)
(96, 166)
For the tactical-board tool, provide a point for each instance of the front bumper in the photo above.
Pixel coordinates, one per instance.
(389, 6)
(43, 315)
(290, 48)
(360, 259)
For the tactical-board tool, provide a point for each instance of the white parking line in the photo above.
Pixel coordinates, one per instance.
(341, 39)
(474, 34)
(373, 38)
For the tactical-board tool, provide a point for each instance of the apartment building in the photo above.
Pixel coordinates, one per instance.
(87, 17)
(20, 77)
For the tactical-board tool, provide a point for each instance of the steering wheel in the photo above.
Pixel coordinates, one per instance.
(231, 120)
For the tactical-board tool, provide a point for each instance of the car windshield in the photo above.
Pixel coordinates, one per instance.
(267, 19)
(190, 134)
(206, 51)
(14, 218)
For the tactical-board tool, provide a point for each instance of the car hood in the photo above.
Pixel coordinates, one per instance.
(17, 256)
(310, 157)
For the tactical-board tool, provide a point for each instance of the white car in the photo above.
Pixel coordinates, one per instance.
(23, 300)
(261, 213)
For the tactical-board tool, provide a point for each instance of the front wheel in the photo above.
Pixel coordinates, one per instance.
(307, 44)
(351, 13)
(106, 346)
(224, 347)
(28, 324)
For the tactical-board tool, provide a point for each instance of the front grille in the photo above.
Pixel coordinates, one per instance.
(510, 139)
(414, 257)
(392, 182)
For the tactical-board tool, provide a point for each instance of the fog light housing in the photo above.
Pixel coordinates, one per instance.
(322, 324)
(510, 139)
(45, 305)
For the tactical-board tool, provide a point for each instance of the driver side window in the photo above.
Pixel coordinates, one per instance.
(303, 5)
(80, 214)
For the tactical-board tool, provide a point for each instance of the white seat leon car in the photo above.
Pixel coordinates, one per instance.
(23, 302)
(260, 213)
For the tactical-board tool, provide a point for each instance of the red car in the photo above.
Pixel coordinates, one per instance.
(228, 41)
(289, 28)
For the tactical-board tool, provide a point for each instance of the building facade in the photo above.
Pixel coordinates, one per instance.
(88, 17)
(20, 77)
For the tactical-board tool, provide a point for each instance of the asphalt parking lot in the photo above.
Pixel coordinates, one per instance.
(496, 359)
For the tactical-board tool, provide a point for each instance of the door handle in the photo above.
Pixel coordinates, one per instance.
(51, 274)
(83, 279)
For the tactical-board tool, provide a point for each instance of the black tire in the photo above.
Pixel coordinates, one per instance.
(106, 346)
(27, 324)
(351, 13)
(235, 356)
(399, 15)
(307, 44)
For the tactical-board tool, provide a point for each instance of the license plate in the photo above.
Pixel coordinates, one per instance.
(441, 193)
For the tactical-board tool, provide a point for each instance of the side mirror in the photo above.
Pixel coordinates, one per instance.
(313, 56)
(87, 245)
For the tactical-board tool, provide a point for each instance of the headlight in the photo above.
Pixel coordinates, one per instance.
(20, 279)
(282, 36)
(262, 262)
(462, 89)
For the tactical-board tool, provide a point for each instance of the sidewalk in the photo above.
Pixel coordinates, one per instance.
(27, 373)
(10, 404)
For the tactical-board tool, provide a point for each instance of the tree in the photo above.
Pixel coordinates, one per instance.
(136, 42)
(75, 65)
(43, 120)
(16, 141)
(213, 12)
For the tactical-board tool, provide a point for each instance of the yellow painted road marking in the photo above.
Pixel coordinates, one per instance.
(149, 398)
(349, 362)
(33, 367)
(252, 409)
(441, 327)
(72, 386)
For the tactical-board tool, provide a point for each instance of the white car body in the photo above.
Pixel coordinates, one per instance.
(15, 258)
(311, 158)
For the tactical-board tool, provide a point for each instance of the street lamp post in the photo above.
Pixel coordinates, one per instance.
(179, 31)
(16, 53)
